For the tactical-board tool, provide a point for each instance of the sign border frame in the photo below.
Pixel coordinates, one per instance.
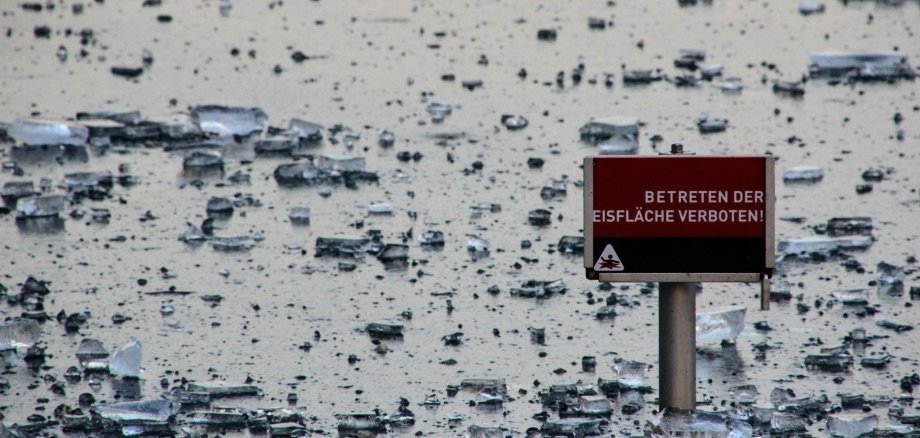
(739, 277)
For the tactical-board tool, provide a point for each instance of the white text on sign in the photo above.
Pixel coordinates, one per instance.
(703, 197)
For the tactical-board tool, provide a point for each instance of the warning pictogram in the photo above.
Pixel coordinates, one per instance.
(609, 261)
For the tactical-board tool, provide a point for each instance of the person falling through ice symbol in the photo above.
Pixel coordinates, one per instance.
(609, 262)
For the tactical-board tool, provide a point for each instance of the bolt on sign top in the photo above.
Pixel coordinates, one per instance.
(679, 218)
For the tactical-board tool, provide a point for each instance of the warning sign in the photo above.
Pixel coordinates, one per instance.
(678, 214)
(609, 261)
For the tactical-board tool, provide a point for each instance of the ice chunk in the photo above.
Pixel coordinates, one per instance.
(41, 132)
(571, 245)
(514, 122)
(340, 163)
(279, 144)
(891, 325)
(431, 238)
(192, 234)
(787, 423)
(829, 362)
(745, 394)
(845, 226)
(123, 117)
(821, 244)
(477, 245)
(484, 384)
(380, 209)
(539, 289)
(393, 252)
(126, 360)
(553, 189)
(890, 277)
(720, 325)
(808, 8)
(226, 121)
(593, 406)
(672, 423)
(880, 65)
(143, 412)
(539, 217)
(707, 125)
(41, 206)
(803, 174)
(203, 158)
(360, 422)
(91, 349)
(438, 111)
(572, 427)
(851, 425)
(218, 205)
(612, 130)
(82, 181)
(18, 333)
(475, 431)
(383, 330)
(223, 389)
(618, 147)
(307, 131)
(852, 296)
(300, 215)
(386, 138)
(15, 190)
(233, 243)
(340, 247)
(630, 374)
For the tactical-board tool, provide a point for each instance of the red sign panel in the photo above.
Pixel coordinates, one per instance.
(678, 214)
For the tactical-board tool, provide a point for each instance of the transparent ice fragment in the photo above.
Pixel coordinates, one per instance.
(438, 111)
(219, 205)
(192, 234)
(851, 425)
(803, 174)
(745, 394)
(380, 208)
(307, 131)
(593, 406)
(340, 247)
(572, 427)
(805, 246)
(477, 244)
(19, 333)
(234, 243)
(631, 374)
(383, 330)
(672, 423)
(514, 122)
(706, 124)
(386, 138)
(829, 362)
(614, 130)
(41, 206)
(393, 252)
(137, 413)
(40, 132)
(203, 158)
(539, 217)
(880, 65)
(852, 296)
(786, 423)
(126, 360)
(431, 238)
(278, 144)
(300, 215)
(91, 349)
(845, 226)
(475, 431)
(360, 422)
(484, 384)
(340, 163)
(227, 121)
(720, 325)
(15, 190)
(223, 389)
(571, 245)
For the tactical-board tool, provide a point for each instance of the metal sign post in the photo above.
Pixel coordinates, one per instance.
(676, 220)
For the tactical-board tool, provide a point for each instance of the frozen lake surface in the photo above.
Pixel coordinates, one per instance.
(413, 99)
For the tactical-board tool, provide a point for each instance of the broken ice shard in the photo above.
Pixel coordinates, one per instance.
(203, 159)
(300, 215)
(497, 385)
(782, 424)
(356, 422)
(707, 125)
(845, 226)
(41, 206)
(386, 138)
(218, 205)
(745, 394)
(630, 374)
(592, 406)
(477, 245)
(91, 349)
(539, 217)
(339, 247)
(720, 325)
(612, 131)
(223, 389)
(226, 121)
(673, 423)
(40, 132)
(475, 431)
(18, 333)
(192, 234)
(380, 209)
(438, 111)
(539, 289)
(431, 238)
(341, 163)
(803, 174)
(821, 245)
(829, 362)
(890, 279)
(852, 296)
(809, 8)
(279, 144)
(891, 325)
(867, 66)
(308, 132)
(514, 122)
(15, 190)
(393, 252)
(851, 425)
(146, 412)
(126, 360)
(572, 427)
(382, 330)
(571, 245)
(234, 243)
